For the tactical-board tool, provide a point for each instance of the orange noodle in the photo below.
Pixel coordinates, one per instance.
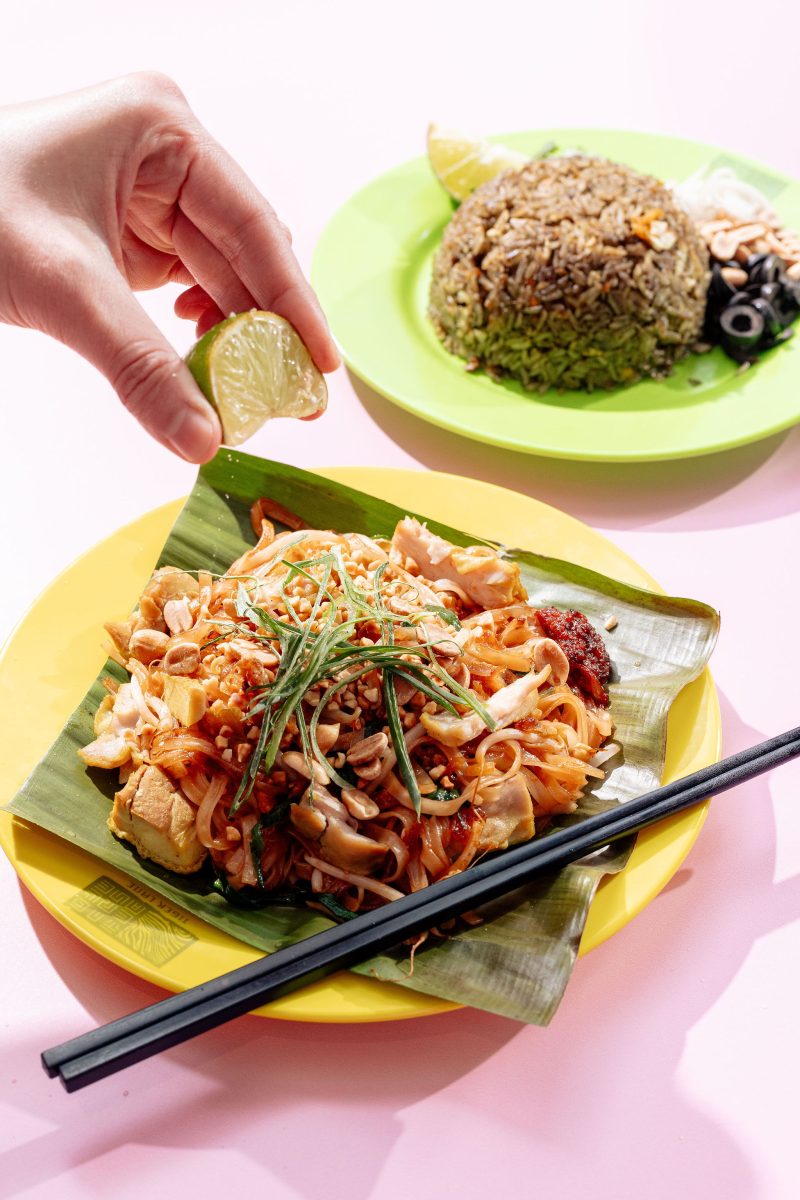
(345, 717)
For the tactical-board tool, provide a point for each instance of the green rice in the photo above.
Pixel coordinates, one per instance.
(572, 272)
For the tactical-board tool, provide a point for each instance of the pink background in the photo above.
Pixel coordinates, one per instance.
(670, 1069)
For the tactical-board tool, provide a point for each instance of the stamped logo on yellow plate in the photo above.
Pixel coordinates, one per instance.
(146, 926)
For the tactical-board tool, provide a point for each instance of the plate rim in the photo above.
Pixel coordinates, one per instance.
(594, 455)
(408, 1004)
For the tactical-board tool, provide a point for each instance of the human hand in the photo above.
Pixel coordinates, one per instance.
(118, 188)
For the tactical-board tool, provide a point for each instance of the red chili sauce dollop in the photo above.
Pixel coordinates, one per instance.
(588, 658)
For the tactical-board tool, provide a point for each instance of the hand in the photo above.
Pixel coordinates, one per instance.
(118, 188)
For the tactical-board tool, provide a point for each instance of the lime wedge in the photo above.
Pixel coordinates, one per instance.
(253, 366)
(462, 163)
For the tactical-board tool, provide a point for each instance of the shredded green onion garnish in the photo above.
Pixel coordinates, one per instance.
(309, 657)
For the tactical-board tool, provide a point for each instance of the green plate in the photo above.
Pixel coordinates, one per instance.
(372, 269)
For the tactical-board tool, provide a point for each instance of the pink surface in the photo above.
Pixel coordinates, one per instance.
(670, 1069)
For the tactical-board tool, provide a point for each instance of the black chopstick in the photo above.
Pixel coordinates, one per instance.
(160, 1026)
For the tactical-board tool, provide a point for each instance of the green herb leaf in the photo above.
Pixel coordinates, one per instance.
(334, 906)
(399, 741)
(445, 614)
(257, 849)
(276, 815)
(443, 794)
(546, 150)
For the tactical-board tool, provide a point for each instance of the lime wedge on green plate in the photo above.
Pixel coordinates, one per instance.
(461, 163)
(253, 366)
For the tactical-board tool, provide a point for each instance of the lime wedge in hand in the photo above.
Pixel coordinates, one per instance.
(253, 366)
(462, 163)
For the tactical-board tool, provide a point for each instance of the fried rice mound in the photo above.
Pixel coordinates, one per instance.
(571, 273)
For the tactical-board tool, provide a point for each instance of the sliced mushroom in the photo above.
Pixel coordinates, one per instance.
(307, 820)
(326, 802)
(440, 637)
(341, 845)
(509, 814)
(296, 761)
(548, 653)
(324, 819)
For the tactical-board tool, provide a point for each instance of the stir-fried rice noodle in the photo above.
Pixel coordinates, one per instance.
(330, 718)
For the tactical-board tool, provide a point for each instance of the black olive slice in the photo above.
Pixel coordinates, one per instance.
(719, 290)
(772, 322)
(767, 269)
(742, 326)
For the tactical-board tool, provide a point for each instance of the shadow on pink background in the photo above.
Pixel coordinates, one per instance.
(593, 1102)
(711, 492)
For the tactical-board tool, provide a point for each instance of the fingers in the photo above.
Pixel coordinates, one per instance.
(109, 328)
(224, 206)
(211, 270)
(180, 274)
(196, 305)
(207, 320)
(191, 304)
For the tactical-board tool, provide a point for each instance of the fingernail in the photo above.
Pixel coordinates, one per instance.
(197, 436)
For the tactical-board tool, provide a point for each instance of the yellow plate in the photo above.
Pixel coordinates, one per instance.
(55, 653)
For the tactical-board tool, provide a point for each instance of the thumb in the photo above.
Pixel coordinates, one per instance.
(109, 327)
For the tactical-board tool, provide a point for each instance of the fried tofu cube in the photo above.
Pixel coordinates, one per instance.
(185, 698)
(158, 820)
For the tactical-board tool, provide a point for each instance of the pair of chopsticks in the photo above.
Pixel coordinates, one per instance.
(160, 1026)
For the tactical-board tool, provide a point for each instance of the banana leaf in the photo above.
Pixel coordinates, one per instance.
(518, 960)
